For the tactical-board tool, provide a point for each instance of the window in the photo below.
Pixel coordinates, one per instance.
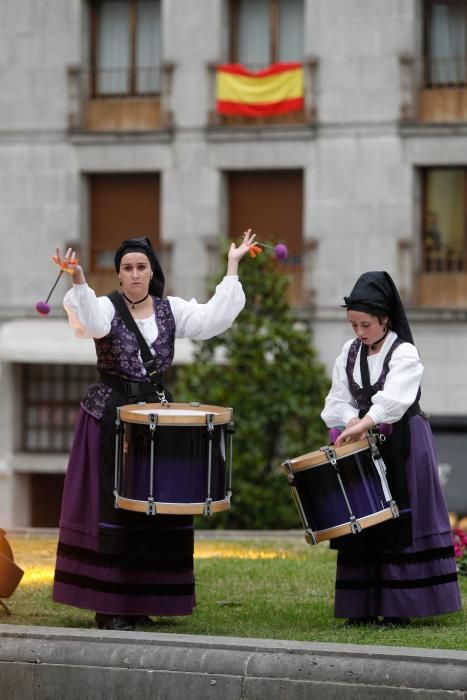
(266, 31)
(52, 394)
(272, 204)
(126, 47)
(446, 42)
(122, 206)
(445, 220)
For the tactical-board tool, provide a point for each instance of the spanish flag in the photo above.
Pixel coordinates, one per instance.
(274, 90)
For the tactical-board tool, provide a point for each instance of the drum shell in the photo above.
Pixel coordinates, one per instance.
(181, 456)
(321, 496)
(173, 458)
(340, 491)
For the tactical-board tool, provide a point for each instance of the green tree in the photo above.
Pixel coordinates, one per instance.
(269, 374)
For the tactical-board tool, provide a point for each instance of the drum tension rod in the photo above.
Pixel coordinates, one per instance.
(230, 433)
(331, 455)
(152, 433)
(117, 462)
(310, 535)
(207, 510)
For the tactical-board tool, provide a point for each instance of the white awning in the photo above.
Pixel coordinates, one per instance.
(52, 341)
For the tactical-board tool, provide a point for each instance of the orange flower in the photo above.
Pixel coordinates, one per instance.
(254, 250)
(72, 261)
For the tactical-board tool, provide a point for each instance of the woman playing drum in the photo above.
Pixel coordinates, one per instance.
(126, 565)
(406, 567)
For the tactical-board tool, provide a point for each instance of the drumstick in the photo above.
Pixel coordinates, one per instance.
(42, 307)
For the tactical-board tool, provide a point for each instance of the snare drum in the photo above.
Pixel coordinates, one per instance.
(340, 490)
(173, 458)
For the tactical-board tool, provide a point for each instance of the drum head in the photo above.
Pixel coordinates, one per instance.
(175, 413)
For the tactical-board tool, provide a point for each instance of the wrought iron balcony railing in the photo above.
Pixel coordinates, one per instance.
(433, 89)
(134, 91)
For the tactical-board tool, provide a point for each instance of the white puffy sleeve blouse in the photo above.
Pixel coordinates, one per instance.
(388, 405)
(91, 316)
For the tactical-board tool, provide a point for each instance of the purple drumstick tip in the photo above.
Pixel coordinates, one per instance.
(334, 434)
(281, 251)
(42, 308)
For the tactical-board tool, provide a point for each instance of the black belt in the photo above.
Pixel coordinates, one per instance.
(129, 389)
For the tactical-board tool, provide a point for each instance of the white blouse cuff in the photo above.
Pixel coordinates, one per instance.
(376, 413)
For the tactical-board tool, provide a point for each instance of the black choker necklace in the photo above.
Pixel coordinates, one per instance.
(133, 303)
(373, 345)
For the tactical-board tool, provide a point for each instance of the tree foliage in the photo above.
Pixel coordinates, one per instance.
(270, 375)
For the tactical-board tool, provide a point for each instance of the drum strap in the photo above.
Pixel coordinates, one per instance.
(365, 372)
(146, 355)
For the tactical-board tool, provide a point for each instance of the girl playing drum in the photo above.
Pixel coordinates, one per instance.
(406, 567)
(124, 565)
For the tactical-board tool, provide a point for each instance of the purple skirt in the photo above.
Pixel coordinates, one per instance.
(156, 582)
(417, 581)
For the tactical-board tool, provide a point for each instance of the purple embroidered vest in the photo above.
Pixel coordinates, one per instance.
(364, 404)
(118, 354)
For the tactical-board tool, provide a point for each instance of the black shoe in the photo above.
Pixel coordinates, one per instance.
(113, 622)
(360, 621)
(142, 621)
(394, 622)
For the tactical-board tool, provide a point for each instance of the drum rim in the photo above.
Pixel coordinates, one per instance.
(345, 528)
(172, 508)
(318, 457)
(220, 414)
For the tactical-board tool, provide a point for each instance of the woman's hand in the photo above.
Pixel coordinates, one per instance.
(70, 264)
(353, 421)
(356, 429)
(236, 253)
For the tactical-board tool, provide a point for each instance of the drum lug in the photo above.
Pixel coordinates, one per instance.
(394, 508)
(288, 471)
(151, 507)
(330, 453)
(355, 525)
(207, 510)
(374, 436)
(310, 536)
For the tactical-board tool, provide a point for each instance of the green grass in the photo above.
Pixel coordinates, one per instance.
(275, 588)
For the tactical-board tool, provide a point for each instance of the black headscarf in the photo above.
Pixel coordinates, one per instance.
(375, 293)
(143, 245)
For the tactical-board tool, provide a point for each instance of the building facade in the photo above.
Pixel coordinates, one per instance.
(109, 129)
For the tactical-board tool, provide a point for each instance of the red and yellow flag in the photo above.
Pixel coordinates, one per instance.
(274, 90)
